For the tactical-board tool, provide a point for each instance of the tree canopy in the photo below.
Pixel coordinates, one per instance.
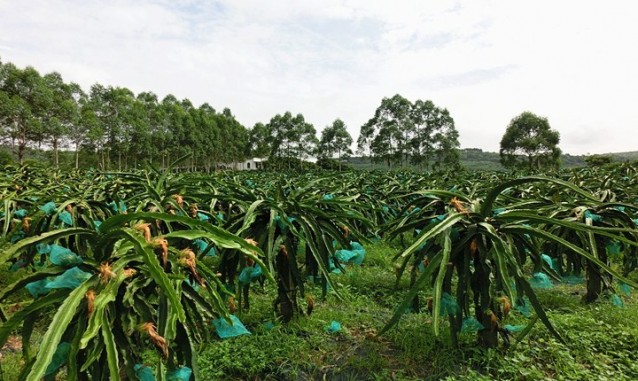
(112, 126)
(598, 160)
(402, 132)
(290, 137)
(335, 140)
(530, 143)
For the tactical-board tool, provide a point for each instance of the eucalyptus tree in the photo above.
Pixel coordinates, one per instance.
(173, 113)
(99, 135)
(154, 117)
(80, 121)
(290, 137)
(306, 142)
(389, 130)
(401, 132)
(61, 113)
(364, 141)
(190, 137)
(335, 140)
(140, 146)
(234, 137)
(111, 132)
(206, 120)
(434, 136)
(24, 97)
(529, 142)
(126, 118)
(257, 141)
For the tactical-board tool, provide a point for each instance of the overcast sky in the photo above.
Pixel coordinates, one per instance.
(573, 62)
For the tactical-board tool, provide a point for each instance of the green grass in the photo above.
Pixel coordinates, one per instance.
(601, 339)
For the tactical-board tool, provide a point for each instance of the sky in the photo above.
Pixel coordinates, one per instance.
(573, 62)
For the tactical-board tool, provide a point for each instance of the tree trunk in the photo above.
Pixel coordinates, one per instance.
(530, 159)
(22, 143)
(55, 153)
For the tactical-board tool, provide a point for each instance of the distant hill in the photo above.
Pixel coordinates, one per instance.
(477, 159)
(625, 156)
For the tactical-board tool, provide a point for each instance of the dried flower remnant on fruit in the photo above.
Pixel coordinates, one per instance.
(507, 306)
(26, 224)
(231, 305)
(178, 199)
(162, 244)
(106, 272)
(310, 304)
(158, 341)
(187, 256)
(473, 247)
(128, 273)
(145, 229)
(458, 205)
(493, 320)
(251, 241)
(188, 259)
(14, 308)
(90, 302)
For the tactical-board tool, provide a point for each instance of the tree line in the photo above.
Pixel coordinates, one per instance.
(113, 125)
(114, 128)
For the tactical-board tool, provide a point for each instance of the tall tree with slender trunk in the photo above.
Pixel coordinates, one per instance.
(402, 132)
(257, 141)
(335, 140)
(290, 137)
(61, 114)
(25, 99)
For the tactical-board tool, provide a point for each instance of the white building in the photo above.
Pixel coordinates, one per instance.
(246, 165)
(254, 164)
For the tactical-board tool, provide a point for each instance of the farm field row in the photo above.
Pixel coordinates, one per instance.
(353, 275)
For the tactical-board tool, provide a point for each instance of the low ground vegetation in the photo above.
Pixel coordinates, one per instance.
(345, 276)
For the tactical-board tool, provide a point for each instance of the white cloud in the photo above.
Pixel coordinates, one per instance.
(486, 61)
